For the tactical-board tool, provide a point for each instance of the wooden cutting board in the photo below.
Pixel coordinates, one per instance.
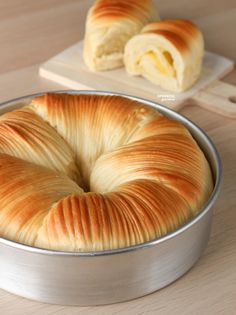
(68, 68)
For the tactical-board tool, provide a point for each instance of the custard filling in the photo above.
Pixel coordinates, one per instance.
(164, 64)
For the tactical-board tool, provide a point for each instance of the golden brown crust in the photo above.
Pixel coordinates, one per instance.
(98, 222)
(27, 192)
(169, 159)
(159, 126)
(147, 174)
(116, 9)
(179, 32)
(25, 135)
(184, 27)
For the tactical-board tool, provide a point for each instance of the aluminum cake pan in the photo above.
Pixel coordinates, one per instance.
(103, 277)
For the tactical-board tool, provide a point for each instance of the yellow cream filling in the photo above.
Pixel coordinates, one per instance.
(165, 66)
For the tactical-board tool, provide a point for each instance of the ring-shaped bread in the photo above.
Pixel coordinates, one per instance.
(96, 172)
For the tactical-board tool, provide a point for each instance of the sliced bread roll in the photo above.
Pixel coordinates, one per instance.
(168, 53)
(110, 24)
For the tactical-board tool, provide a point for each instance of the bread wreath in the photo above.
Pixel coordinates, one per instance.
(95, 172)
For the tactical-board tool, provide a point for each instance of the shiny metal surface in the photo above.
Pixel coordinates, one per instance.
(109, 276)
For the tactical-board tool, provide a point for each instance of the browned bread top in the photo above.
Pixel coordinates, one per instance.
(143, 174)
(179, 32)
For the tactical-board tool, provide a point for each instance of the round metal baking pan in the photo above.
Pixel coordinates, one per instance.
(111, 276)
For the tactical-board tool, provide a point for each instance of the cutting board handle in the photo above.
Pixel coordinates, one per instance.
(218, 97)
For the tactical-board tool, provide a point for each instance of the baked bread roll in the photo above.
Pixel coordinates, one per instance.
(168, 53)
(109, 25)
(143, 175)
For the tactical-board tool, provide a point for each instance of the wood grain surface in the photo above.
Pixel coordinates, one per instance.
(33, 31)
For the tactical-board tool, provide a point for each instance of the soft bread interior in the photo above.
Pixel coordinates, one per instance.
(162, 61)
